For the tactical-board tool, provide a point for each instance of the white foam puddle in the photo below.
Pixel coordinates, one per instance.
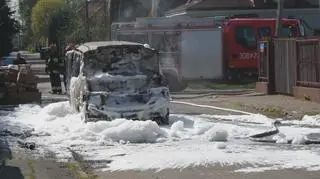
(187, 141)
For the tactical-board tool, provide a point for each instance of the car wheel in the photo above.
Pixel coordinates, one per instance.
(163, 120)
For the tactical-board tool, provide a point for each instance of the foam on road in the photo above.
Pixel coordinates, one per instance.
(188, 140)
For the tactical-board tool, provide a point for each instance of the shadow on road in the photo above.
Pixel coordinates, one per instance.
(9, 172)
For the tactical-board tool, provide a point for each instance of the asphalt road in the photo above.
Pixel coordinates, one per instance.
(26, 165)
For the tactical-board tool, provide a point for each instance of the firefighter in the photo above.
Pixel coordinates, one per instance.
(54, 71)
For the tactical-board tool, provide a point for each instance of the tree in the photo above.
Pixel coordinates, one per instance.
(8, 28)
(52, 19)
(60, 25)
(25, 9)
(42, 14)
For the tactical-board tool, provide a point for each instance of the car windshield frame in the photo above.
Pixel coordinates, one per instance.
(104, 64)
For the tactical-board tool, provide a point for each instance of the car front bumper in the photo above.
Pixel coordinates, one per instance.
(143, 112)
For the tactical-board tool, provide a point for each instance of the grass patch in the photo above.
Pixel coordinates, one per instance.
(312, 113)
(31, 175)
(221, 85)
(76, 169)
(270, 111)
(274, 111)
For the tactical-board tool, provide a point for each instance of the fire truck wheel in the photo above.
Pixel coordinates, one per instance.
(233, 77)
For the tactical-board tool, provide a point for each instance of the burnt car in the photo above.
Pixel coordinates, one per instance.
(117, 79)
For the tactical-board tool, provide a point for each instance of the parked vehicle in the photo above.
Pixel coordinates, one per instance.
(7, 60)
(207, 48)
(117, 79)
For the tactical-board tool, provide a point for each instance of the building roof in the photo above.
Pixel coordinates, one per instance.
(90, 46)
(211, 5)
(202, 5)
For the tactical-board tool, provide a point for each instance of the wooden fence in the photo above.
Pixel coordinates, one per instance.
(286, 63)
(308, 63)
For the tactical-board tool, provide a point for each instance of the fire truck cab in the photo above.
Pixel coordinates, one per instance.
(241, 36)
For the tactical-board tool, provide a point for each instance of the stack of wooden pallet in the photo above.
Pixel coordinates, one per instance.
(18, 85)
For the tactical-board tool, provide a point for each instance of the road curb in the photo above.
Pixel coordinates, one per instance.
(218, 92)
(221, 92)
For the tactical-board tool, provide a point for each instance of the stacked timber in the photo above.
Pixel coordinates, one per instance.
(18, 85)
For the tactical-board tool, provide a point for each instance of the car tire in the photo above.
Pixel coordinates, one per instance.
(163, 120)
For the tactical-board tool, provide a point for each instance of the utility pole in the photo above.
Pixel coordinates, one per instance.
(105, 19)
(109, 19)
(87, 20)
(279, 17)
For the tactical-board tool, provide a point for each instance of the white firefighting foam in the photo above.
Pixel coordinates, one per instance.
(187, 141)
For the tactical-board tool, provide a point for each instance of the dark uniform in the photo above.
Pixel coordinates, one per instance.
(54, 71)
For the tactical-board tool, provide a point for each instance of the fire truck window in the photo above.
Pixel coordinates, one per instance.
(245, 36)
(264, 32)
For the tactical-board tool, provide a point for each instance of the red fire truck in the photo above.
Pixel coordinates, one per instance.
(230, 51)
(241, 37)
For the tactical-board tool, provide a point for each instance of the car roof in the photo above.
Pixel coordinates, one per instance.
(89, 46)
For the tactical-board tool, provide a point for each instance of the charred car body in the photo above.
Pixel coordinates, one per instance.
(117, 79)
